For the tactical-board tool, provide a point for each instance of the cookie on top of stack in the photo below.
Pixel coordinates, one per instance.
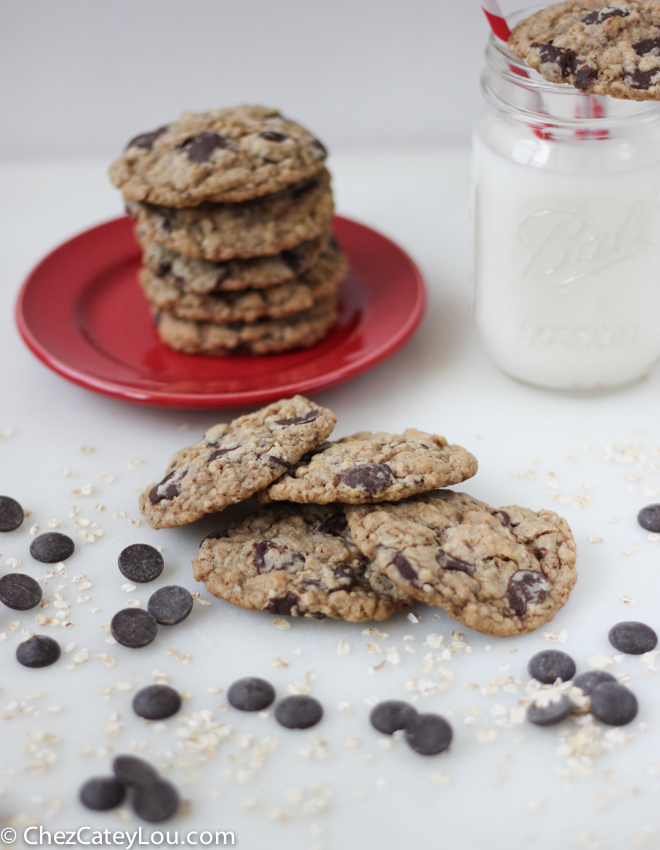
(233, 210)
(358, 529)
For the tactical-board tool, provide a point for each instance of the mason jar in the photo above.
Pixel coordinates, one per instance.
(566, 215)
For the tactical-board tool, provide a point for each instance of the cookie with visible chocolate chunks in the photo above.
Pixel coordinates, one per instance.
(369, 467)
(224, 155)
(232, 461)
(502, 571)
(604, 49)
(297, 560)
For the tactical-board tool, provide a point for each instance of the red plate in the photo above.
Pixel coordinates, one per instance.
(82, 312)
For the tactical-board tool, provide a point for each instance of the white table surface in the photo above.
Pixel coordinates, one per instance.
(501, 785)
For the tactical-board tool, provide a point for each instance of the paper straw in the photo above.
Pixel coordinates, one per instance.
(496, 19)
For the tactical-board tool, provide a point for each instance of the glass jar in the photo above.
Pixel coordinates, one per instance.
(566, 213)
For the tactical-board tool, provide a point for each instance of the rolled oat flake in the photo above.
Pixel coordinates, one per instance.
(251, 694)
(156, 702)
(133, 627)
(38, 651)
(633, 638)
(551, 664)
(11, 514)
(140, 562)
(19, 591)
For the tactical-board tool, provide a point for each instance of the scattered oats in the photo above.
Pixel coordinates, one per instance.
(625, 455)
(601, 661)
(108, 660)
(627, 600)
(34, 529)
(119, 514)
(54, 523)
(393, 656)
(345, 708)
(535, 805)
(612, 520)
(124, 686)
(112, 729)
(68, 473)
(3, 637)
(631, 476)
(385, 743)
(376, 667)
(12, 563)
(138, 744)
(281, 623)
(562, 637)
(127, 587)
(414, 618)
(181, 656)
(486, 734)
(632, 548)
(441, 777)
(135, 521)
(161, 678)
(85, 490)
(279, 662)
(650, 492)
(366, 757)
(108, 479)
(96, 610)
(373, 648)
(434, 641)
(373, 632)
(343, 648)
(351, 743)
(654, 538)
(214, 690)
(132, 464)
(594, 538)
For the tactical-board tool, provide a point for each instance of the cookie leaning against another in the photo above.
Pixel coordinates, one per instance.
(297, 560)
(502, 571)
(233, 461)
(373, 468)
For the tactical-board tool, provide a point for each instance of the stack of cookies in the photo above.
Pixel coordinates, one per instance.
(233, 210)
(357, 529)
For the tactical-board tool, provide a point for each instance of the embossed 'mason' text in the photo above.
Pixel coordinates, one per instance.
(577, 338)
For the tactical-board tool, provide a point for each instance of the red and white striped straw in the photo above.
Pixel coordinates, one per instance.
(496, 19)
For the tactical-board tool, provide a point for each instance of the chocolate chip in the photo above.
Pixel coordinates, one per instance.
(299, 420)
(200, 148)
(336, 525)
(156, 702)
(320, 147)
(222, 273)
(404, 567)
(371, 477)
(298, 712)
(102, 793)
(428, 734)
(648, 46)
(584, 76)
(633, 638)
(447, 562)
(613, 704)
(642, 79)
(170, 605)
(38, 651)
(215, 535)
(551, 664)
(159, 493)
(146, 140)
(527, 587)
(133, 771)
(260, 554)
(11, 514)
(649, 518)
(251, 694)
(155, 801)
(541, 714)
(273, 136)
(292, 259)
(164, 268)
(391, 715)
(133, 627)
(586, 682)
(19, 591)
(284, 605)
(601, 15)
(141, 562)
(52, 547)
(564, 59)
(220, 453)
(504, 517)
(273, 460)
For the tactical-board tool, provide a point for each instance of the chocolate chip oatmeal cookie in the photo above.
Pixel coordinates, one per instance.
(373, 468)
(224, 155)
(231, 462)
(502, 571)
(605, 49)
(297, 560)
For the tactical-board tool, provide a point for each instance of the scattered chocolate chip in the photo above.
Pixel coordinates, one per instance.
(141, 562)
(133, 771)
(159, 493)
(11, 514)
(527, 587)
(586, 682)
(200, 148)
(649, 518)
(391, 715)
(251, 694)
(564, 59)
(102, 793)
(146, 140)
(336, 525)
(371, 477)
(633, 638)
(298, 712)
(155, 801)
(541, 714)
(299, 420)
(642, 79)
(551, 664)
(600, 15)
(170, 605)
(647, 47)
(52, 547)
(404, 567)
(613, 704)
(428, 734)
(38, 651)
(284, 605)
(273, 136)
(19, 591)
(156, 702)
(133, 627)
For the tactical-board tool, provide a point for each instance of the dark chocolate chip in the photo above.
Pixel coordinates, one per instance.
(283, 605)
(155, 801)
(19, 591)
(164, 268)
(133, 771)
(648, 46)
(504, 517)
(273, 460)
(260, 554)
(52, 547)
(221, 453)
(222, 273)
(447, 562)
(613, 704)
(298, 712)
(336, 525)
(584, 76)
(633, 638)
(564, 59)
(273, 136)
(649, 518)
(156, 702)
(428, 734)
(146, 140)
(170, 605)
(251, 694)
(550, 713)
(320, 147)
(586, 682)
(391, 715)
(141, 562)
(38, 651)
(215, 535)
(299, 420)
(600, 15)
(133, 627)
(200, 148)
(404, 567)
(102, 793)
(292, 260)
(11, 514)
(527, 587)
(159, 493)
(551, 664)
(371, 477)
(642, 79)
